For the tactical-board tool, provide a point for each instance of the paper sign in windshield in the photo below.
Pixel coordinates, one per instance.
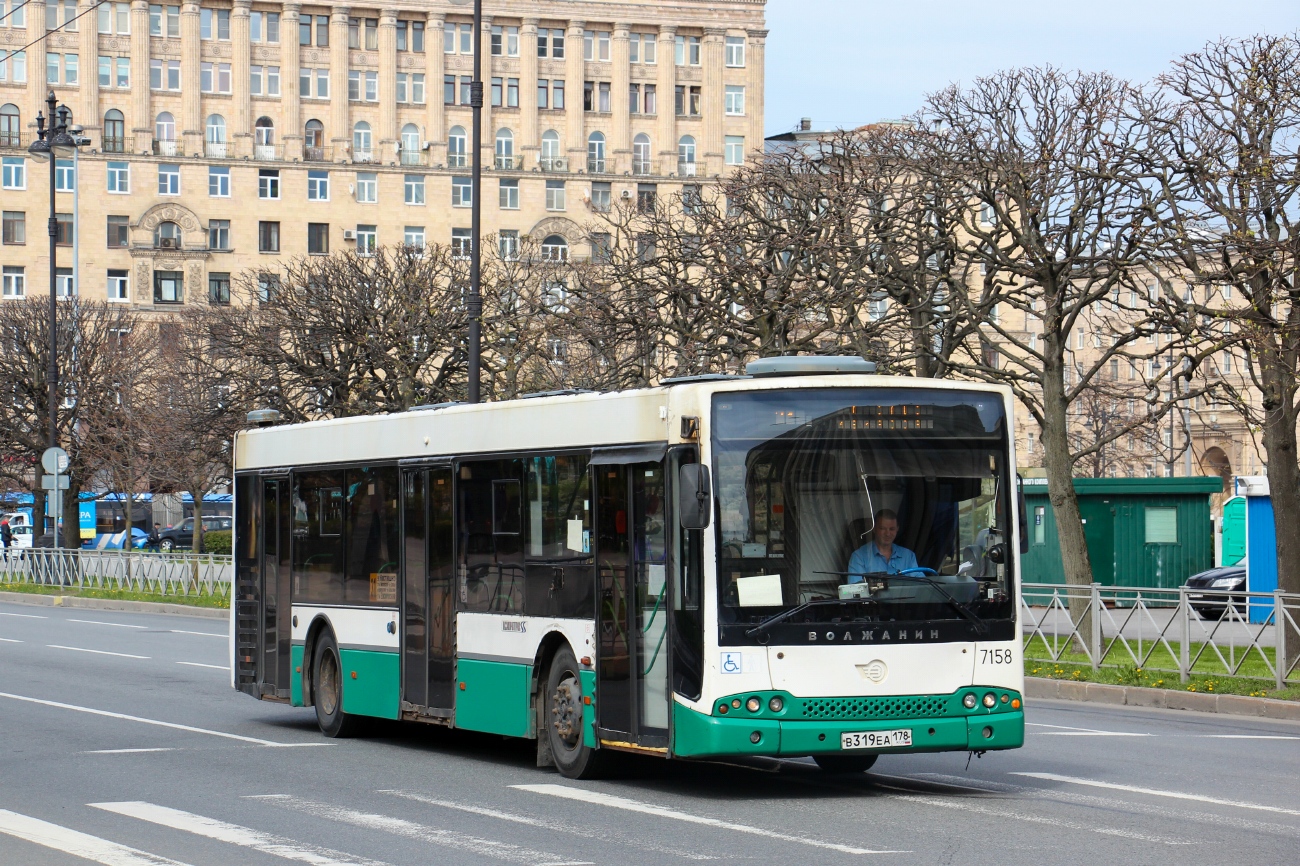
(761, 590)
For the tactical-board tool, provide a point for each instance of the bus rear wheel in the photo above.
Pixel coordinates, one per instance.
(843, 764)
(327, 690)
(564, 717)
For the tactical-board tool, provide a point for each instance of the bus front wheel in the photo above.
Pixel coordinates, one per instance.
(564, 715)
(327, 690)
(845, 763)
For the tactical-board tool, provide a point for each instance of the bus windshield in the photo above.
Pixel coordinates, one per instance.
(862, 506)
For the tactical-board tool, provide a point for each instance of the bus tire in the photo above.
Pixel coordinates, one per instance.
(843, 764)
(564, 715)
(327, 689)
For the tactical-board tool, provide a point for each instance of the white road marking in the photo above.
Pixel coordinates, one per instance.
(96, 652)
(24, 615)
(81, 845)
(172, 725)
(124, 751)
(1177, 795)
(203, 633)
(100, 622)
(412, 830)
(9, 640)
(245, 837)
(554, 826)
(598, 799)
(1067, 731)
(201, 665)
(967, 806)
(1245, 737)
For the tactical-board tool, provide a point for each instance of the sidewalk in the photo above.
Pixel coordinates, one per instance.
(1169, 699)
(114, 604)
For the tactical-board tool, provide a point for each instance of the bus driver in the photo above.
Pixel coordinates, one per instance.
(880, 554)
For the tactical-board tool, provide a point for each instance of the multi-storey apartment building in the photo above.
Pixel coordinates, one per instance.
(227, 135)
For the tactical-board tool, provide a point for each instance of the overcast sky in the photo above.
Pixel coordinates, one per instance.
(849, 62)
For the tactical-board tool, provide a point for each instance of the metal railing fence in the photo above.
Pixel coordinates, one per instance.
(1178, 631)
(181, 574)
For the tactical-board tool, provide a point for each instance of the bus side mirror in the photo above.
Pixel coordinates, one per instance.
(1024, 522)
(694, 496)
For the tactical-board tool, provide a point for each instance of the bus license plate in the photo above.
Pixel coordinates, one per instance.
(876, 739)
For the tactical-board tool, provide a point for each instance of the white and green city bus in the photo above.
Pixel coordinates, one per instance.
(663, 571)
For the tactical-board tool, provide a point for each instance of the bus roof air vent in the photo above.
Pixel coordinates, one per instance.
(428, 407)
(701, 377)
(808, 365)
(561, 392)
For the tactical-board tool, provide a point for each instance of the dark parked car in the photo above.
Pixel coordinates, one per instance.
(1213, 605)
(181, 536)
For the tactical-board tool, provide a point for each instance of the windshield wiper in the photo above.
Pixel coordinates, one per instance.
(981, 627)
(786, 614)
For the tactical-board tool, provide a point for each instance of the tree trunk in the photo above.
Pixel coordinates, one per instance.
(1065, 506)
(1284, 490)
(197, 543)
(71, 516)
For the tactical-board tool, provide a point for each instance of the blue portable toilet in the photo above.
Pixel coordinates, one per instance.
(1261, 542)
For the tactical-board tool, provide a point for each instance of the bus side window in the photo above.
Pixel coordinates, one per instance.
(687, 570)
(489, 544)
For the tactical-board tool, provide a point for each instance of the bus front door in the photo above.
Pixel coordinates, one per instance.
(428, 653)
(275, 607)
(632, 676)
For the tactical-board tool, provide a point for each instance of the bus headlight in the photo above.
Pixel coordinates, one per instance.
(990, 700)
(753, 705)
(776, 704)
(969, 701)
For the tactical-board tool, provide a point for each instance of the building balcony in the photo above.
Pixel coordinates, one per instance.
(264, 152)
(115, 144)
(363, 155)
(411, 157)
(11, 139)
(686, 169)
(508, 162)
(641, 167)
(554, 163)
(166, 148)
(314, 153)
(595, 166)
(216, 149)
(457, 160)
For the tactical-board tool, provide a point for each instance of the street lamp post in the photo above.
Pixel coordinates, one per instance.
(474, 302)
(53, 142)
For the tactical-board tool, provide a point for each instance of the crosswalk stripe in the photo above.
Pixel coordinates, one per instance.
(77, 844)
(245, 837)
(1155, 792)
(598, 799)
(412, 830)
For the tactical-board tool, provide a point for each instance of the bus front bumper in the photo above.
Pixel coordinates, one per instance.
(696, 735)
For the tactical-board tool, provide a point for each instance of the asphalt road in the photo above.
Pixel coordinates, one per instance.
(125, 745)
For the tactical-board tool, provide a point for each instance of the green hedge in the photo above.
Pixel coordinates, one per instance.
(217, 541)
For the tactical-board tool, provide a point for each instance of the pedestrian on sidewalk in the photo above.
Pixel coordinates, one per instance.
(6, 537)
(154, 540)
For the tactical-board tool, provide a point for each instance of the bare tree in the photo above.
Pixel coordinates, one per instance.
(1224, 164)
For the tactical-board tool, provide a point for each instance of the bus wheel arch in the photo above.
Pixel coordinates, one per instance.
(328, 684)
(564, 712)
(318, 625)
(550, 645)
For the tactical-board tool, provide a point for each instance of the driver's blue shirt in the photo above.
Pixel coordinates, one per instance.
(867, 559)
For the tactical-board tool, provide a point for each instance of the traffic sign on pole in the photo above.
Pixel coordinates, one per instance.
(55, 460)
(54, 482)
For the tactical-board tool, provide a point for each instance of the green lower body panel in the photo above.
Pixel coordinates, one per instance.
(372, 683)
(589, 711)
(696, 735)
(493, 697)
(295, 675)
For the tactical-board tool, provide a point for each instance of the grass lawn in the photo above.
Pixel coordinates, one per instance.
(193, 600)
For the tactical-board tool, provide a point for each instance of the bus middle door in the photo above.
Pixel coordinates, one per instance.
(632, 699)
(428, 654)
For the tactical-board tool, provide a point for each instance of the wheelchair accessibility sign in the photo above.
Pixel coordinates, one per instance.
(733, 663)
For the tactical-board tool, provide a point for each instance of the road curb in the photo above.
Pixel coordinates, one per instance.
(114, 604)
(1169, 699)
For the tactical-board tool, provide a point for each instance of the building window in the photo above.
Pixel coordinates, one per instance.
(219, 289)
(13, 172)
(123, 66)
(367, 187)
(595, 45)
(508, 244)
(14, 282)
(509, 193)
(361, 141)
(456, 148)
(366, 240)
(215, 24)
(264, 27)
(219, 181)
(687, 51)
(646, 195)
(164, 128)
(214, 77)
(462, 192)
(641, 154)
(119, 285)
(268, 183)
(550, 43)
(318, 186)
(555, 195)
(505, 41)
(268, 237)
(735, 100)
(555, 249)
(413, 189)
(63, 283)
(410, 88)
(596, 153)
(219, 235)
(642, 47)
(462, 243)
(167, 236)
(14, 67)
(693, 201)
(318, 238)
(735, 51)
(1161, 525)
(686, 156)
(413, 238)
(602, 246)
(167, 287)
(268, 286)
(63, 229)
(734, 150)
(415, 41)
(119, 231)
(165, 74)
(264, 80)
(14, 227)
(596, 96)
(601, 197)
(169, 179)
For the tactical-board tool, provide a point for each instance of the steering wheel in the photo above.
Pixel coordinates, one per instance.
(919, 570)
